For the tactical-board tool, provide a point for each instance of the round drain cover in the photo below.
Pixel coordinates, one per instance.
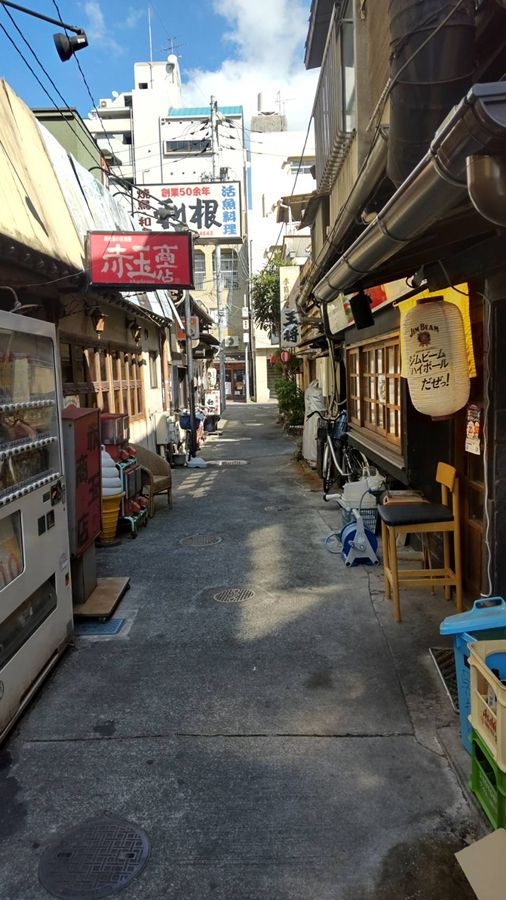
(228, 462)
(201, 540)
(234, 595)
(97, 858)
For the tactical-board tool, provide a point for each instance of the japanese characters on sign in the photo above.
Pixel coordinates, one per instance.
(473, 429)
(213, 209)
(289, 317)
(137, 260)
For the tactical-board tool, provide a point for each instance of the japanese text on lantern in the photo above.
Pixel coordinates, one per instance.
(432, 364)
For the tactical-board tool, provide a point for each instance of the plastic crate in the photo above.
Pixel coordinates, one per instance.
(485, 621)
(369, 517)
(488, 696)
(488, 782)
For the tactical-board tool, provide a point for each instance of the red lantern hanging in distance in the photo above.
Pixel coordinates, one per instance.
(285, 356)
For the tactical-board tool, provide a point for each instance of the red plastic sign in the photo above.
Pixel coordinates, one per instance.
(142, 260)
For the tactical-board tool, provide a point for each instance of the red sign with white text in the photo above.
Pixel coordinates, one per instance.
(139, 259)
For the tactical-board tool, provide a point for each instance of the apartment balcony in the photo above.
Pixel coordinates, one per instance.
(334, 107)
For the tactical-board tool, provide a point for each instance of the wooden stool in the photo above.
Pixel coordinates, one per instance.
(424, 518)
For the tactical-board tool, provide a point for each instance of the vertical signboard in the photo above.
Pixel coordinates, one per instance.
(289, 337)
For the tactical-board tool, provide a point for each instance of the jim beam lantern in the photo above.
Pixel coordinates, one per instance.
(436, 358)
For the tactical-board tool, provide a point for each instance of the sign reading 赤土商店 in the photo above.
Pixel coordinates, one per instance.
(139, 260)
(211, 208)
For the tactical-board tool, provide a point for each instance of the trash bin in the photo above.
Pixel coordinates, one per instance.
(484, 622)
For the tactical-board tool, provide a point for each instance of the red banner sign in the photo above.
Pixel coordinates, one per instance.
(143, 260)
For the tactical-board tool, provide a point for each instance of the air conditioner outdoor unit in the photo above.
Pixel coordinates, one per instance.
(231, 341)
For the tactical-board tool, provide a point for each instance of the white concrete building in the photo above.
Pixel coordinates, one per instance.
(167, 151)
(280, 167)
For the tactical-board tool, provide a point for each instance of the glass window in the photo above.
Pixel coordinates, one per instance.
(229, 269)
(348, 67)
(153, 370)
(373, 372)
(199, 270)
(11, 549)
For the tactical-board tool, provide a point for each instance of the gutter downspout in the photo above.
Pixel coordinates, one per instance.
(437, 184)
(370, 175)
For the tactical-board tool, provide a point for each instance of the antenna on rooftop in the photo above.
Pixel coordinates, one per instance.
(150, 35)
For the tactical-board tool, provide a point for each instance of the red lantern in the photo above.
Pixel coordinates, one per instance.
(274, 359)
(285, 356)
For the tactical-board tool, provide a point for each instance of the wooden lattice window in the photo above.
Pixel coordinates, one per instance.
(374, 388)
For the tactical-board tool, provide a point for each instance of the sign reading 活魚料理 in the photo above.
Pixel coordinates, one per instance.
(139, 260)
(213, 208)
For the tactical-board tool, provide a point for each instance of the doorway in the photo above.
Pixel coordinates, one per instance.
(235, 382)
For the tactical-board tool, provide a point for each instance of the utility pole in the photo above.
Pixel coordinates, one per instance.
(217, 257)
(150, 36)
(189, 363)
(221, 328)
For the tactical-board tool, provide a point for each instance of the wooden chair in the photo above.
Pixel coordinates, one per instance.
(424, 518)
(156, 476)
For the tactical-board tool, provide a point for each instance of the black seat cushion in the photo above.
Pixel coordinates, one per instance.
(414, 513)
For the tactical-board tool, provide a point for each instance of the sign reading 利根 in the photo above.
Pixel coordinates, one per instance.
(139, 260)
(212, 209)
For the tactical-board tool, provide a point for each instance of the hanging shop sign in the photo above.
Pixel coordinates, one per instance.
(141, 260)
(435, 358)
(290, 329)
(194, 329)
(213, 209)
(473, 429)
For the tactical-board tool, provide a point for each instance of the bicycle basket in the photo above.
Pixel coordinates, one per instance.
(340, 426)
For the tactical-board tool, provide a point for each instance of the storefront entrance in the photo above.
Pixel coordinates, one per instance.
(235, 382)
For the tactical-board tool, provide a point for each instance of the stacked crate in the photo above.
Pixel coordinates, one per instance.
(487, 661)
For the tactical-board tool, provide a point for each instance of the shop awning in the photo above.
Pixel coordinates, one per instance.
(439, 206)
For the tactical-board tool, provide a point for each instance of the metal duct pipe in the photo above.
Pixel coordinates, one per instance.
(431, 68)
(435, 186)
(486, 183)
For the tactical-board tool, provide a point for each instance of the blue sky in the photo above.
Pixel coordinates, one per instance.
(231, 48)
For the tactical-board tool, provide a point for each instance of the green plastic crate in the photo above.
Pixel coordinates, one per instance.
(488, 782)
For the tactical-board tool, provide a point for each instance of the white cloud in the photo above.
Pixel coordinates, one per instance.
(268, 38)
(133, 17)
(97, 30)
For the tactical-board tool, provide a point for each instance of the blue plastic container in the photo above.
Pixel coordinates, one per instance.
(486, 621)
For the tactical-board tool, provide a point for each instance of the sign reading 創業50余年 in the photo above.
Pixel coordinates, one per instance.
(139, 260)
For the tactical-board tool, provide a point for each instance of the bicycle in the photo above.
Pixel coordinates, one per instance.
(341, 462)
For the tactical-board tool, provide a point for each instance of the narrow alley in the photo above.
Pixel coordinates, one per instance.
(260, 714)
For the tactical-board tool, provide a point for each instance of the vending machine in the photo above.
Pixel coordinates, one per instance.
(35, 588)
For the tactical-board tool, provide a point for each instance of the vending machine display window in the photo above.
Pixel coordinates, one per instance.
(29, 439)
(11, 549)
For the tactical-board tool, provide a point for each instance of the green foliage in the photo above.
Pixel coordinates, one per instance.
(265, 299)
(290, 400)
(286, 369)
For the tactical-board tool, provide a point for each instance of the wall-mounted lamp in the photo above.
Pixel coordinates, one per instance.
(98, 318)
(65, 45)
(360, 306)
(135, 329)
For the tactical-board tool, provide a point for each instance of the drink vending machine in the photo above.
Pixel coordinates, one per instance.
(35, 589)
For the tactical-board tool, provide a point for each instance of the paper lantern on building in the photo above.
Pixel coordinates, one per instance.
(274, 359)
(435, 362)
(285, 356)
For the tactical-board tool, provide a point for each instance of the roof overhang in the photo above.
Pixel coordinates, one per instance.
(431, 212)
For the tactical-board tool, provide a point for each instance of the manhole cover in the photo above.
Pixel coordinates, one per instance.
(98, 858)
(228, 462)
(201, 540)
(234, 595)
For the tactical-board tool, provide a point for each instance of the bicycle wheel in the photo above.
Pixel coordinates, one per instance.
(356, 463)
(327, 469)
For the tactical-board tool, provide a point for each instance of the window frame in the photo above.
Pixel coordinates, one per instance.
(114, 384)
(374, 389)
(200, 257)
(230, 276)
